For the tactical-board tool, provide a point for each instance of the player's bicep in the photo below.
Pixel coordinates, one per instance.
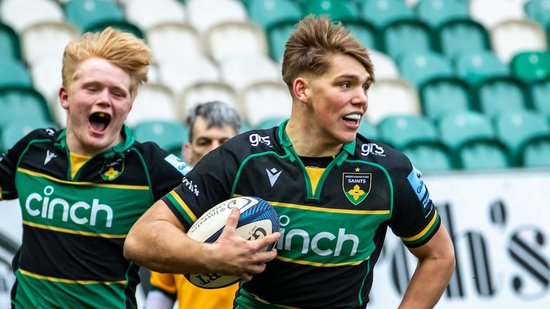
(439, 246)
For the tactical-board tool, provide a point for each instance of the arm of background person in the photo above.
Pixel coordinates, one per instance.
(158, 242)
(436, 264)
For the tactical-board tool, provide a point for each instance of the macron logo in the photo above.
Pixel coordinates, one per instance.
(273, 175)
(49, 157)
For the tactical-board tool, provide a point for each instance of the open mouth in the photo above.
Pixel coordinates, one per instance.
(355, 118)
(99, 121)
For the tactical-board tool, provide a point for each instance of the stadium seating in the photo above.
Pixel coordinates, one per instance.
(475, 66)
(241, 71)
(501, 93)
(437, 12)
(173, 40)
(154, 102)
(384, 66)
(401, 130)
(538, 10)
(207, 91)
(483, 154)
(46, 39)
(267, 12)
(515, 35)
(10, 45)
(422, 66)
(23, 103)
(365, 32)
(382, 12)
(536, 153)
(13, 131)
(430, 156)
(85, 13)
(202, 16)
(460, 127)
(234, 38)
(540, 92)
(264, 100)
(406, 35)
(122, 25)
(367, 129)
(514, 128)
(277, 35)
(487, 14)
(21, 14)
(531, 66)
(147, 14)
(14, 73)
(461, 34)
(169, 135)
(443, 95)
(179, 73)
(338, 10)
(390, 97)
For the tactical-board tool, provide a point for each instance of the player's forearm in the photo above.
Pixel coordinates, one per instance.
(428, 283)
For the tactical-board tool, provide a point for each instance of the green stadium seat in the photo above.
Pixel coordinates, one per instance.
(475, 66)
(530, 66)
(268, 12)
(540, 92)
(382, 12)
(10, 45)
(514, 128)
(436, 12)
(277, 34)
(407, 35)
(337, 10)
(85, 13)
(401, 130)
(536, 153)
(169, 135)
(121, 25)
(443, 95)
(460, 127)
(13, 131)
(23, 103)
(501, 93)
(14, 73)
(430, 156)
(461, 34)
(483, 154)
(367, 129)
(269, 122)
(538, 10)
(421, 66)
(365, 32)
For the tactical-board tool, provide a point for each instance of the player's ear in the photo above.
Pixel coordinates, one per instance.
(300, 89)
(63, 97)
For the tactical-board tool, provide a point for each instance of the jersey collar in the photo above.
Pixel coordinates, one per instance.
(347, 149)
(128, 140)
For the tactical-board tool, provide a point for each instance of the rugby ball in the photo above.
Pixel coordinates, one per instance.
(257, 219)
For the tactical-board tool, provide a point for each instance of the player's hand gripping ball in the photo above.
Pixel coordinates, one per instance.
(257, 219)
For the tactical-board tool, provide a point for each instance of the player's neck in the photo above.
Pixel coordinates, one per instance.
(310, 142)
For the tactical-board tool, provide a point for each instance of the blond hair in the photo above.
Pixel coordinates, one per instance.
(310, 46)
(121, 49)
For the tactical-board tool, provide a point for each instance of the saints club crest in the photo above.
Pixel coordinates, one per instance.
(356, 186)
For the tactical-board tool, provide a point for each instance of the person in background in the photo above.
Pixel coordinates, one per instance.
(336, 193)
(82, 188)
(210, 125)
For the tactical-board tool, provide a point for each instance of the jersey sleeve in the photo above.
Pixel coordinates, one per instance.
(166, 170)
(10, 159)
(414, 218)
(207, 184)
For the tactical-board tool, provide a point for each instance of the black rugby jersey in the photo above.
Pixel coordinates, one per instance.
(331, 237)
(74, 229)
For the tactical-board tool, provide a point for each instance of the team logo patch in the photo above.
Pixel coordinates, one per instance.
(356, 186)
(112, 169)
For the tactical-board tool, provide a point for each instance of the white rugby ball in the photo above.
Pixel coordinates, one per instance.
(257, 219)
